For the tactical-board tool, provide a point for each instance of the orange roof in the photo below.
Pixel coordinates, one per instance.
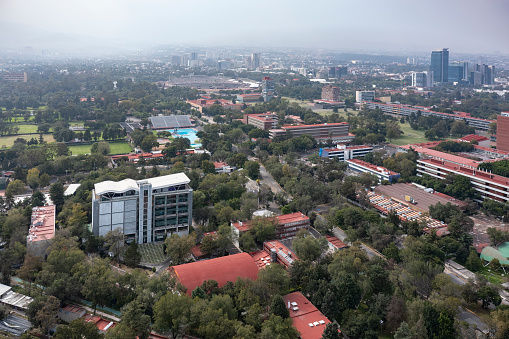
(243, 226)
(221, 269)
(43, 224)
(378, 169)
(443, 155)
(470, 137)
(307, 319)
(336, 242)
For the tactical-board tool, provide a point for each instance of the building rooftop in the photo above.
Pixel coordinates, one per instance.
(442, 155)
(469, 171)
(115, 186)
(243, 226)
(307, 319)
(170, 121)
(42, 224)
(372, 167)
(221, 269)
(284, 127)
(470, 137)
(101, 324)
(338, 244)
(130, 184)
(284, 253)
(71, 189)
(422, 198)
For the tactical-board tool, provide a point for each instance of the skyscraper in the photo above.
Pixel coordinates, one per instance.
(255, 60)
(267, 89)
(440, 65)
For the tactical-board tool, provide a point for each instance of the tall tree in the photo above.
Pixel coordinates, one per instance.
(278, 307)
(132, 256)
(178, 248)
(56, 193)
(78, 329)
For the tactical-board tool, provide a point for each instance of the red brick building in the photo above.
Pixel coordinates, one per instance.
(503, 131)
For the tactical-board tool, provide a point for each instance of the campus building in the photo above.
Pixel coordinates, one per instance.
(267, 89)
(16, 77)
(330, 93)
(408, 110)
(42, 230)
(287, 225)
(422, 79)
(503, 131)
(265, 121)
(201, 104)
(253, 97)
(440, 65)
(381, 173)
(361, 96)
(337, 132)
(488, 185)
(343, 152)
(144, 210)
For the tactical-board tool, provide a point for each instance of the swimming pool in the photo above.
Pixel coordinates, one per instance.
(188, 133)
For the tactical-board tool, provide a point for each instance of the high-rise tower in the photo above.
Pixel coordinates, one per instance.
(440, 65)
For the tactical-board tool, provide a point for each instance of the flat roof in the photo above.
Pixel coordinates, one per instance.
(372, 167)
(316, 125)
(481, 175)
(71, 189)
(424, 199)
(307, 319)
(42, 225)
(243, 226)
(130, 184)
(443, 155)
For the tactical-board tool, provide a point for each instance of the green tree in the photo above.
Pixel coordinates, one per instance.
(308, 247)
(132, 256)
(487, 295)
(101, 147)
(171, 313)
(134, 317)
(404, 332)
(56, 193)
(149, 142)
(277, 327)
(45, 316)
(38, 199)
(115, 242)
(278, 307)
(474, 263)
(392, 131)
(253, 169)
(331, 331)
(208, 167)
(178, 248)
(33, 178)
(15, 187)
(44, 180)
(78, 329)
(264, 228)
(275, 279)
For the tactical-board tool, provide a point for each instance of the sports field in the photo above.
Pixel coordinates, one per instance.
(8, 141)
(410, 136)
(116, 147)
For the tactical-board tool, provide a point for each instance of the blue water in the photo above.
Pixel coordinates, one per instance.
(188, 133)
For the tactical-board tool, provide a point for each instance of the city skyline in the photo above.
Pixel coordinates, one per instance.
(139, 24)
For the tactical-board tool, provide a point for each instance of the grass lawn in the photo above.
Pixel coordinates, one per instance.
(303, 103)
(152, 253)
(341, 112)
(26, 128)
(8, 141)
(494, 277)
(410, 136)
(116, 147)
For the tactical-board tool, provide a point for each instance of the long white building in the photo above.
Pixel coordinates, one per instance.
(144, 210)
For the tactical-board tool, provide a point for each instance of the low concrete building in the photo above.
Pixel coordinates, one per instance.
(381, 173)
(13, 299)
(42, 230)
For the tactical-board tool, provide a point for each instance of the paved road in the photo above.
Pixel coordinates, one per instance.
(471, 319)
(341, 235)
(267, 179)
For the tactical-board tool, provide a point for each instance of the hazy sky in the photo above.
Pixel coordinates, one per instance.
(480, 26)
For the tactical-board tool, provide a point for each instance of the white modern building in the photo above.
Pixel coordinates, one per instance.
(381, 173)
(422, 79)
(361, 96)
(144, 210)
(343, 152)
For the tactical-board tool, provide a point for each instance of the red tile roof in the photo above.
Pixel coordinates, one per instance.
(221, 269)
(306, 315)
(443, 155)
(470, 137)
(316, 125)
(336, 242)
(243, 226)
